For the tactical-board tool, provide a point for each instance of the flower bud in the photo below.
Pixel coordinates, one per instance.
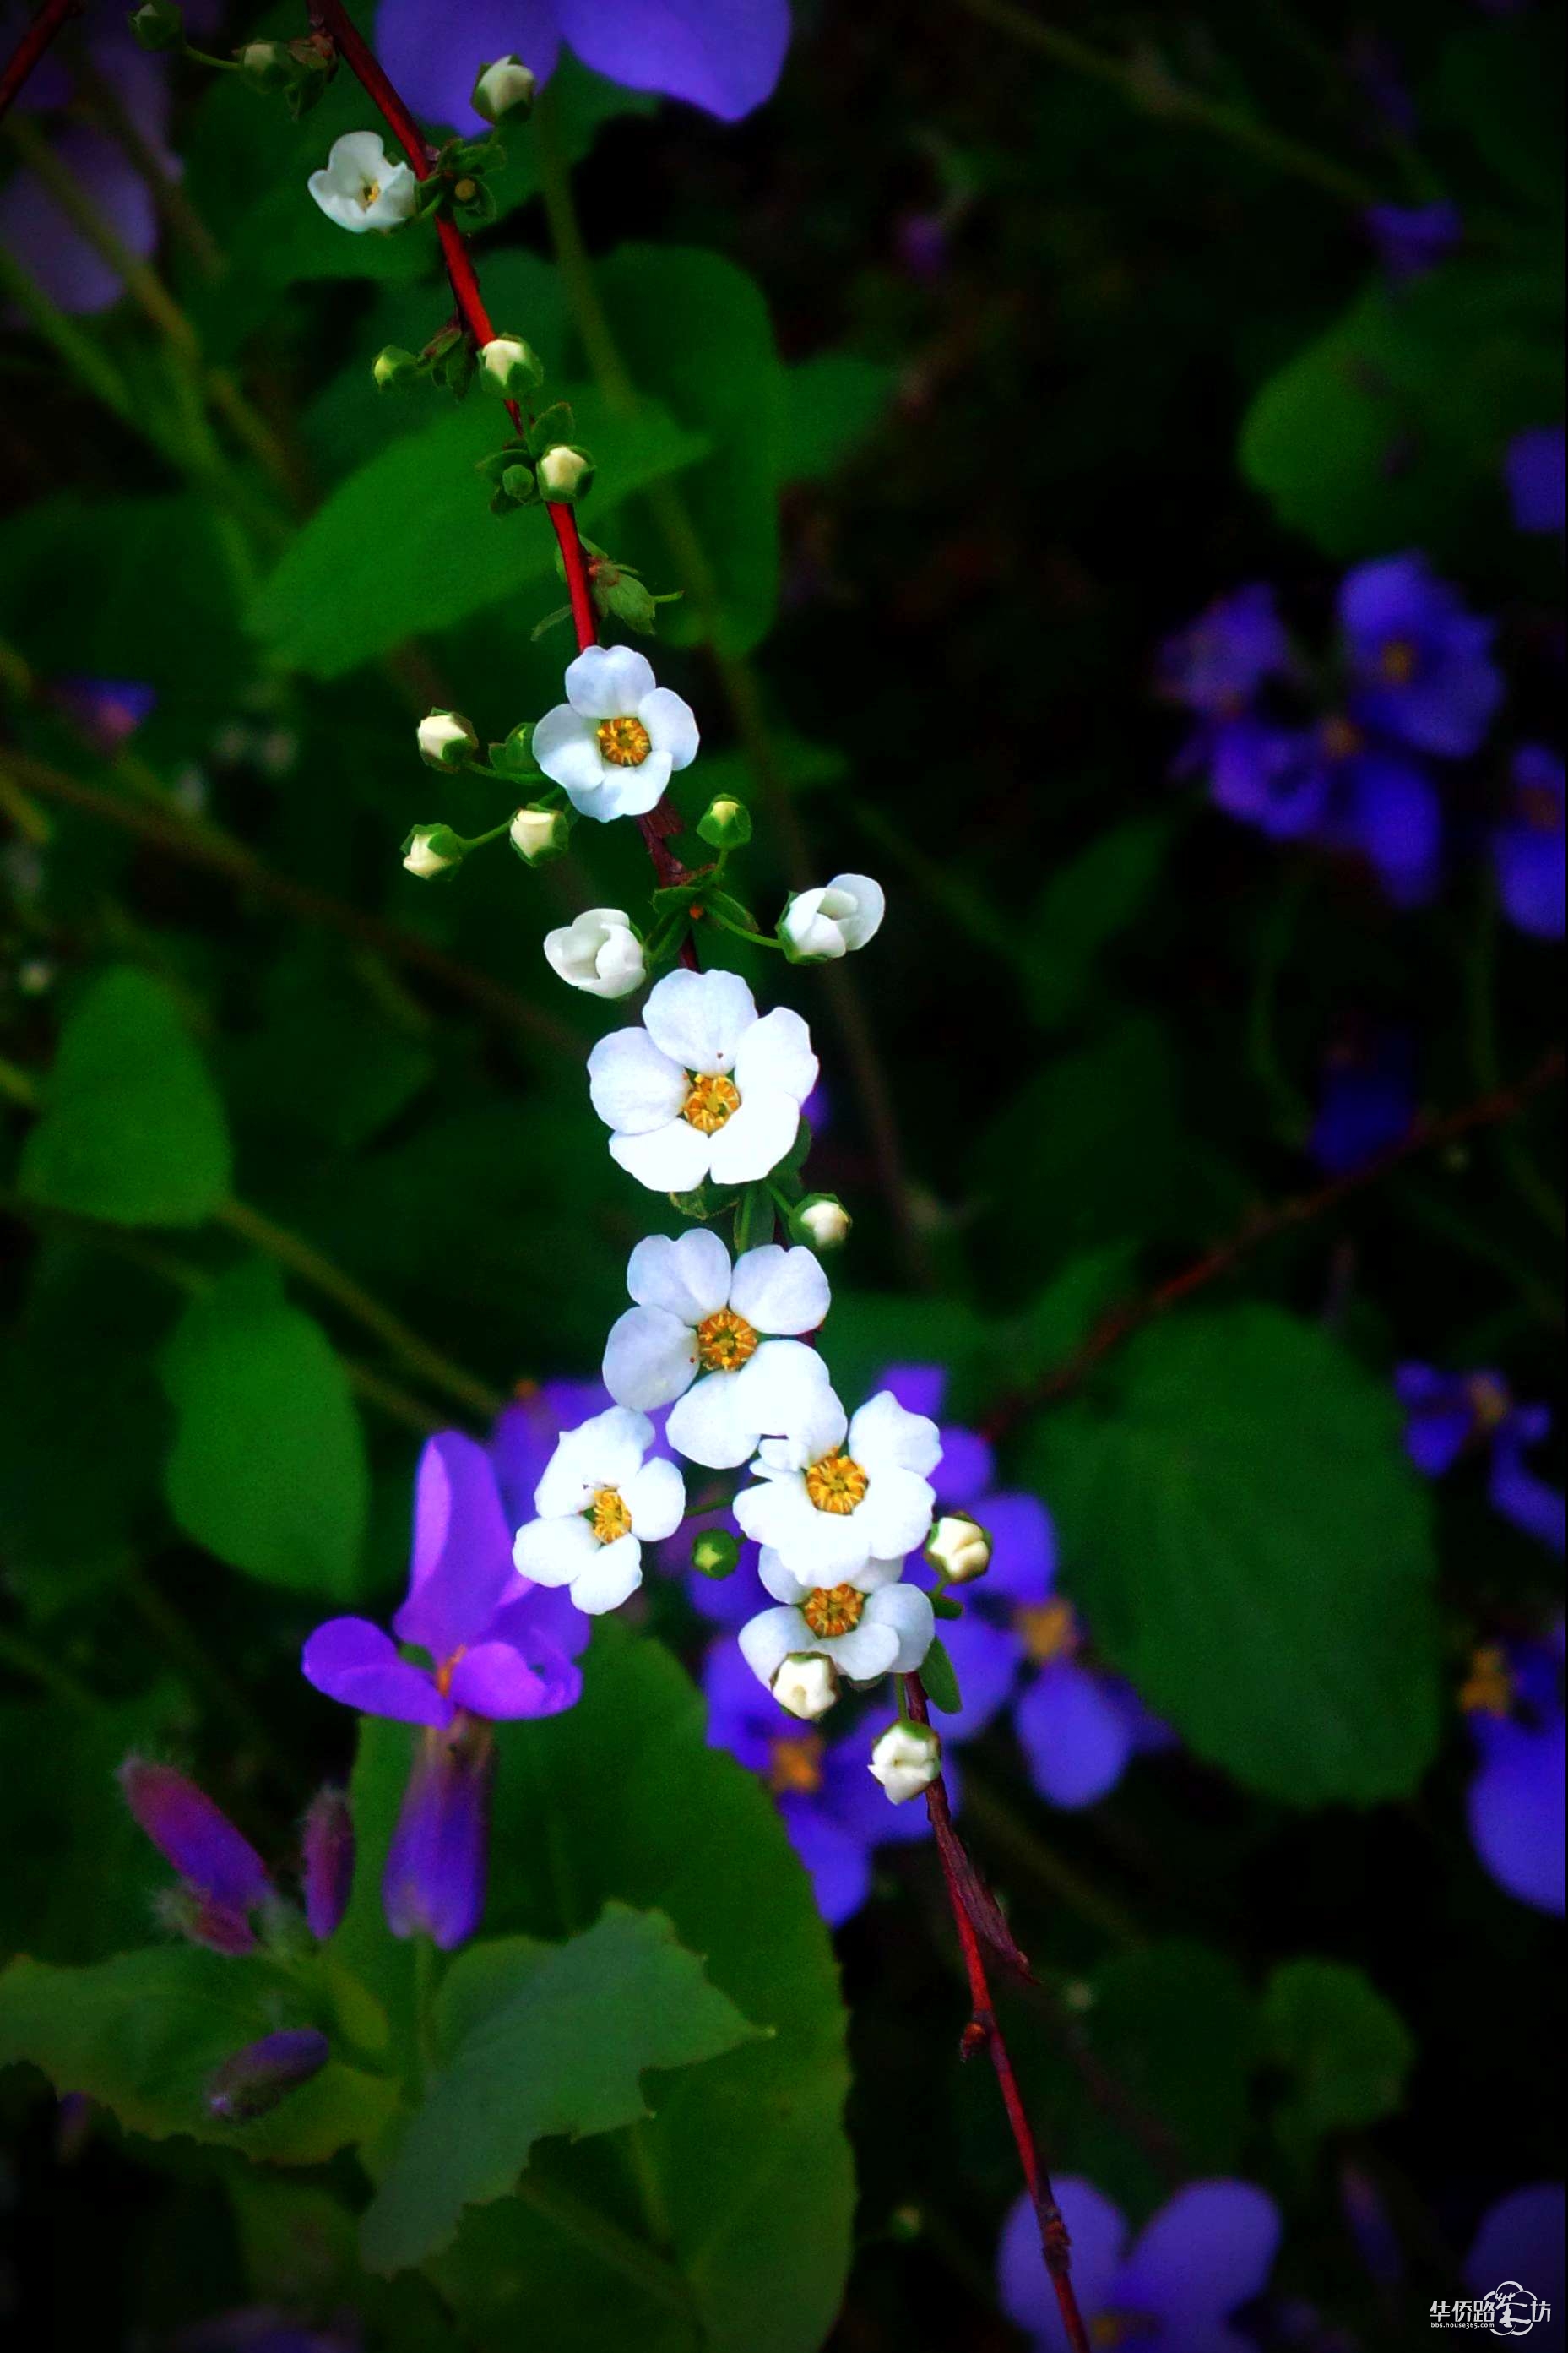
(818, 925)
(202, 1920)
(510, 368)
(327, 1854)
(906, 1760)
(432, 849)
(540, 834)
(503, 89)
(267, 64)
(820, 1219)
(806, 1685)
(715, 1553)
(393, 366)
(600, 954)
(446, 739)
(726, 822)
(257, 2079)
(515, 756)
(959, 1547)
(564, 474)
(157, 25)
(215, 1859)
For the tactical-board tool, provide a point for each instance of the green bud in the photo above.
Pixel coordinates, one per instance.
(725, 823)
(504, 91)
(565, 474)
(157, 25)
(510, 368)
(540, 834)
(267, 65)
(431, 850)
(513, 758)
(393, 366)
(715, 1553)
(521, 488)
(446, 739)
(627, 599)
(821, 1221)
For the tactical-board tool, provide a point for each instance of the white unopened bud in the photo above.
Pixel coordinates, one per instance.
(822, 1220)
(806, 1685)
(538, 834)
(599, 953)
(818, 925)
(446, 739)
(504, 89)
(432, 849)
(511, 367)
(564, 474)
(906, 1760)
(959, 1547)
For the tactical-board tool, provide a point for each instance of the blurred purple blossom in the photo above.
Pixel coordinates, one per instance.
(1451, 1414)
(223, 1877)
(1209, 2250)
(254, 2080)
(1421, 665)
(327, 1861)
(1535, 469)
(1367, 1103)
(725, 56)
(1412, 241)
(1217, 665)
(1512, 1699)
(1522, 2239)
(1528, 846)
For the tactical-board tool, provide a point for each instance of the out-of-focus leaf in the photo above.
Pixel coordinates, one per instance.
(132, 1130)
(1343, 2050)
(1502, 85)
(832, 405)
(267, 1468)
(1254, 1550)
(1082, 908)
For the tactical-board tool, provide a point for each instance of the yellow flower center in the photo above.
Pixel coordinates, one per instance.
(625, 743)
(833, 1609)
(1341, 738)
(447, 1668)
(794, 1767)
(724, 1341)
(369, 191)
(713, 1099)
(464, 191)
(1047, 1630)
(1397, 661)
(1488, 1688)
(1488, 1401)
(1109, 2330)
(608, 1516)
(835, 1483)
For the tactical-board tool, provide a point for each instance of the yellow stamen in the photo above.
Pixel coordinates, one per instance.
(713, 1099)
(608, 1516)
(447, 1668)
(835, 1483)
(1488, 1401)
(1488, 1688)
(369, 191)
(625, 743)
(1047, 1630)
(464, 191)
(833, 1609)
(796, 1764)
(1397, 661)
(1109, 2330)
(1341, 738)
(724, 1342)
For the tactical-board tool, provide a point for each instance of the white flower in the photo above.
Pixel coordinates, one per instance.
(704, 1333)
(446, 739)
(865, 1625)
(598, 1503)
(359, 188)
(828, 1509)
(615, 740)
(538, 834)
(807, 1686)
(959, 1547)
(817, 925)
(502, 89)
(906, 1760)
(704, 1088)
(599, 953)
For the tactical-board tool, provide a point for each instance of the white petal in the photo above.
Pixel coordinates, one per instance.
(878, 1573)
(885, 1435)
(700, 1018)
(767, 1640)
(774, 1390)
(780, 1581)
(770, 1510)
(566, 748)
(780, 1290)
(908, 1615)
(831, 1548)
(671, 724)
(566, 1484)
(818, 1426)
(554, 1551)
(810, 929)
(632, 1086)
(649, 1357)
(627, 792)
(688, 1277)
(357, 156)
(609, 682)
(864, 920)
(605, 1582)
(707, 1425)
(656, 1498)
(775, 1053)
(611, 1445)
(866, 1651)
(896, 1514)
(673, 1159)
(756, 1138)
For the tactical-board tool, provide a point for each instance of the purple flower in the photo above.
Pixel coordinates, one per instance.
(327, 1859)
(1520, 2240)
(1265, 774)
(1333, 784)
(1218, 664)
(1535, 471)
(500, 1648)
(725, 56)
(1528, 846)
(1513, 1697)
(109, 710)
(1367, 1103)
(1451, 1414)
(1421, 665)
(1207, 2250)
(256, 2080)
(833, 1810)
(1411, 240)
(224, 1879)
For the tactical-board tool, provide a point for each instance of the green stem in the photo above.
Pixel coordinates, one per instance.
(175, 207)
(613, 2246)
(425, 2047)
(740, 931)
(17, 1651)
(89, 363)
(196, 1662)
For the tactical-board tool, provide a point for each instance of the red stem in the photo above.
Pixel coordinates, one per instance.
(982, 2030)
(48, 21)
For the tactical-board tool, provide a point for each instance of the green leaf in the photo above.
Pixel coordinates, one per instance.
(695, 331)
(351, 586)
(143, 2034)
(1343, 2050)
(132, 1129)
(1255, 1551)
(1082, 908)
(556, 2042)
(832, 406)
(267, 1468)
(941, 1682)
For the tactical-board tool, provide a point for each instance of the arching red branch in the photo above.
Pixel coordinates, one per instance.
(50, 18)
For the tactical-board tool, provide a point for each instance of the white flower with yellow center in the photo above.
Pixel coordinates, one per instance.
(707, 1333)
(614, 742)
(833, 1496)
(598, 1503)
(865, 1625)
(360, 188)
(704, 1088)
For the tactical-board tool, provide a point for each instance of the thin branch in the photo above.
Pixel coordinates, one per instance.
(51, 19)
